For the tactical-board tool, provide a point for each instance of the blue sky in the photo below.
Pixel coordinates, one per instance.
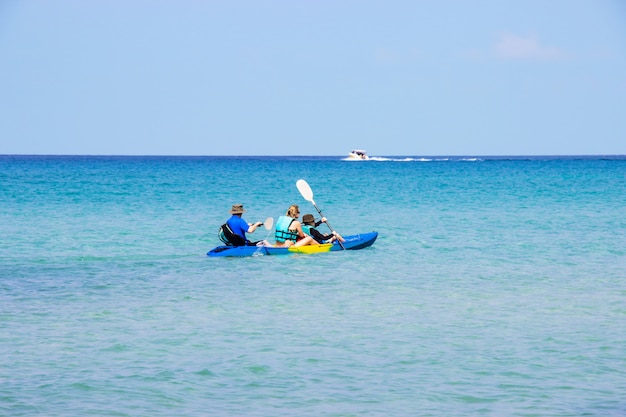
(415, 78)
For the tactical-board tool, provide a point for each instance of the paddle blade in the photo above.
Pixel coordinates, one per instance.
(305, 190)
(268, 223)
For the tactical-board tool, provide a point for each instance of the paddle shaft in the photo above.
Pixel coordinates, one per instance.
(307, 194)
(327, 224)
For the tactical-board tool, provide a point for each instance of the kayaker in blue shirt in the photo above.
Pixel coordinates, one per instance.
(240, 227)
(309, 227)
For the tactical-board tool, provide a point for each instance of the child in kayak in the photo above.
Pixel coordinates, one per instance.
(309, 227)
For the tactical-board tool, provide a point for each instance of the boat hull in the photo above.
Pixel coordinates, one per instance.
(357, 155)
(353, 242)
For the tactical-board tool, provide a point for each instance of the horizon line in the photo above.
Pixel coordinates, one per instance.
(320, 156)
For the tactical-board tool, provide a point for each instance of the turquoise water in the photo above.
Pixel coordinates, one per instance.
(496, 287)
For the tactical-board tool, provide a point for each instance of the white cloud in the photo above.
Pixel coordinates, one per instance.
(511, 46)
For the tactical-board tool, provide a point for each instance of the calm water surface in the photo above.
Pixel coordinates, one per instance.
(497, 287)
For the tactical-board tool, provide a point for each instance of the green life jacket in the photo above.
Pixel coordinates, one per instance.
(282, 230)
(307, 229)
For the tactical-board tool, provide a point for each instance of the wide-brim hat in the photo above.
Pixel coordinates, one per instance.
(237, 209)
(308, 219)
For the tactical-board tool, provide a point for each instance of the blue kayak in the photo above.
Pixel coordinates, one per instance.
(353, 242)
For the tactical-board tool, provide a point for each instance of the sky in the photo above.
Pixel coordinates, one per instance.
(395, 78)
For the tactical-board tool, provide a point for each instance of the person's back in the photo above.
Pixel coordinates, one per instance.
(229, 237)
(289, 230)
(282, 232)
(239, 227)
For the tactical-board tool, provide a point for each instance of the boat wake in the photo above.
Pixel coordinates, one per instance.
(410, 159)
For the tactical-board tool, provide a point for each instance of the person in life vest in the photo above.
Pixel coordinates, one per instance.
(289, 230)
(309, 227)
(240, 227)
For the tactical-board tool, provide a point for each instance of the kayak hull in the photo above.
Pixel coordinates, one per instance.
(353, 242)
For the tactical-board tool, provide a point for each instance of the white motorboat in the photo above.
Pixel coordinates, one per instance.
(358, 154)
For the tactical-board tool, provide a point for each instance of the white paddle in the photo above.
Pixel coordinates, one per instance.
(307, 194)
(268, 223)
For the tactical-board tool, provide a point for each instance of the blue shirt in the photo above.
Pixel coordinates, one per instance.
(238, 225)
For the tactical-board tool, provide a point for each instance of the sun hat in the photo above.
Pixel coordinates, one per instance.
(308, 219)
(237, 209)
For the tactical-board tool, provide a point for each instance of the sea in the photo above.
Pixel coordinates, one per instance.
(496, 287)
